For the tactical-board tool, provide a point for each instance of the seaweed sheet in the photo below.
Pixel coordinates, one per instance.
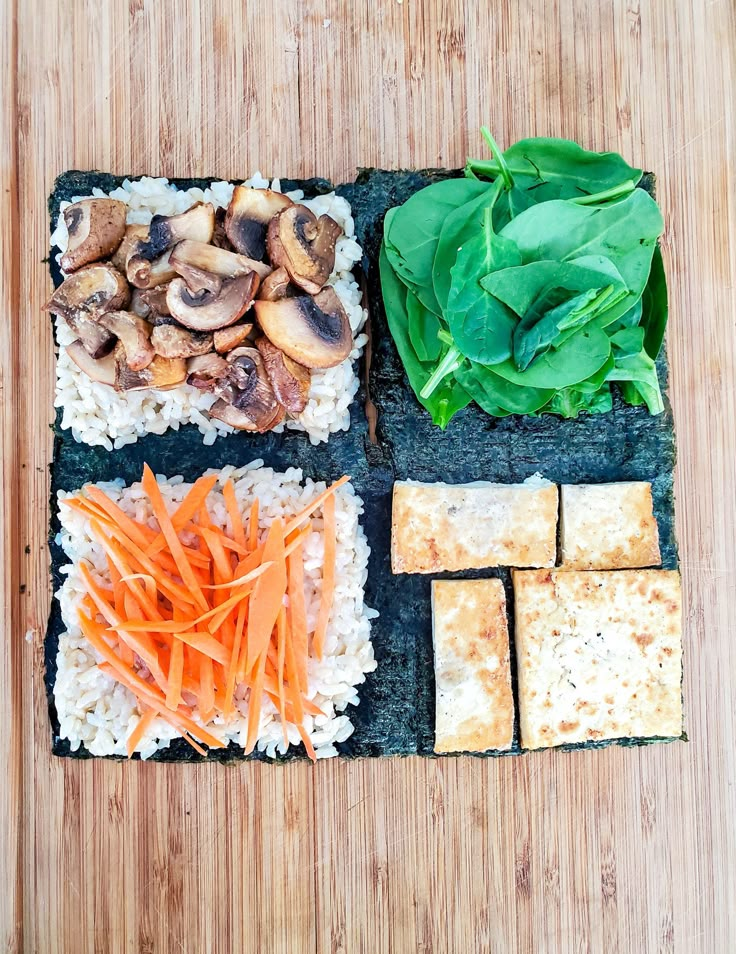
(396, 711)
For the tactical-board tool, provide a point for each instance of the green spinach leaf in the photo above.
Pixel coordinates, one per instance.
(424, 327)
(494, 393)
(551, 168)
(481, 325)
(634, 366)
(459, 227)
(577, 359)
(655, 306)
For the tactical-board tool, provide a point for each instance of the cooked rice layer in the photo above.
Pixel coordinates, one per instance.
(96, 414)
(96, 711)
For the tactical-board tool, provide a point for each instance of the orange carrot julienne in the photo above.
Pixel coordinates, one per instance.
(185, 511)
(150, 485)
(328, 577)
(298, 616)
(268, 594)
(253, 525)
(294, 522)
(141, 727)
(281, 635)
(233, 512)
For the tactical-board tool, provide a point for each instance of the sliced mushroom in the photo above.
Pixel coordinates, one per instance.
(247, 399)
(248, 216)
(206, 311)
(314, 331)
(290, 381)
(165, 231)
(304, 245)
(217, 261)
(135, 336)
(172, 341)
(96, 228)
(161, 374)
(205, 371)
(276, 286)
(219, 236)
(153, 299)
(225, 339)
(83, 297)
(101, 370)
(133, 235)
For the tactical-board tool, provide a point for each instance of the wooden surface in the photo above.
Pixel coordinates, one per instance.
(613, 851)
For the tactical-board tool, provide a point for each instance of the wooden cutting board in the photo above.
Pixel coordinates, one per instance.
(621, 850)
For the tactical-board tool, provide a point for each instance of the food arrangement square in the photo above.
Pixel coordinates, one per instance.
(268, 542)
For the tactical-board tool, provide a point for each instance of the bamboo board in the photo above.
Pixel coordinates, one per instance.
(612, 851)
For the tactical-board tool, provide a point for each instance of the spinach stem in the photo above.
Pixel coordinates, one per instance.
(508, 179)
(448, 365)
(615, 192)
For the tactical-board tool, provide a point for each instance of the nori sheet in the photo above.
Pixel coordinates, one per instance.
(396, 711)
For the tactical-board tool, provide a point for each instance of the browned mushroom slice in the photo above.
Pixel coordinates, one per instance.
(165, 231)
(206, 311)
(217, 261)
(161, 374)
(135, 336)
(225, 339)
(290, 381)
(277, 285)
(304, 245)
(315, 332)
(219, 236)
(153, 299)
(133, 235)
(170, 340)
(96, 228)
(247, 218)
(83, 297)
(247, 391)
(101, 370)
(205, 371)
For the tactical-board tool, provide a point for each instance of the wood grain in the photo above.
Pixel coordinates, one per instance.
(612, 851)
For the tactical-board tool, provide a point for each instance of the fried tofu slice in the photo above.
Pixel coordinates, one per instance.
(474, 704)
(441, 526)
(599, 655)
(608, 526)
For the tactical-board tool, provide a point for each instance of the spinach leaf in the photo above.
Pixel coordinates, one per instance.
(550, 168)
(481, 325)
(625, 232)
(424, 327)
(633, 365)
(575, 360)
(459, 226)
(570, 402)
(494, 393)
(519, 287)
(654, 306)
(412, 230)
(449, 397)
(557, 309)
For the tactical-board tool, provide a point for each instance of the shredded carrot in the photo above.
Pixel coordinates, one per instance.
(294, 522)
(253, 526)
(298, 616)
(233, 512)
(139, 731)
(193, 611)
(150, 485)
(328, 577)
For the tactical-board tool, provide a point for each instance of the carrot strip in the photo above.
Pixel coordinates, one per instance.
(142, 599)
(138, 560)
(185, 511)
(307, 743)
(141, 727)
(222, 561)
(298, 615)
(254, 703)
(253, 525)
(207, 688)
(317, 502)
(233, 511)
(234, 657)
(268, 594)
(205, 644)
(150, 485)
(328, 577)
(195, 745)
(141, 644)
(281, 636)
